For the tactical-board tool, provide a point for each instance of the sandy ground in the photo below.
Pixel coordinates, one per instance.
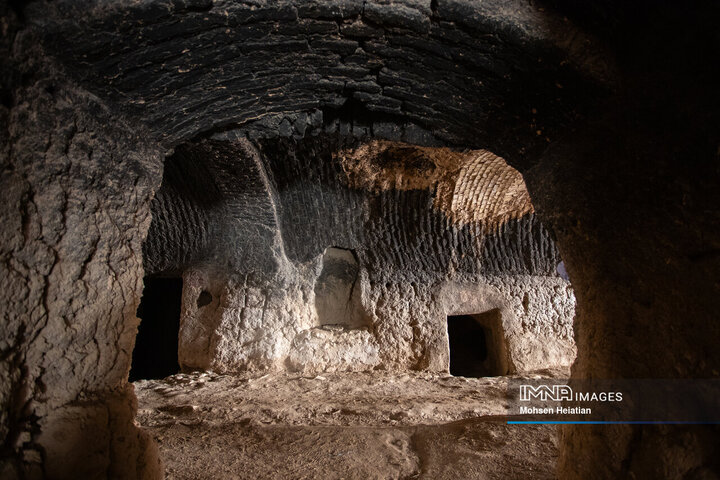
(341, 426)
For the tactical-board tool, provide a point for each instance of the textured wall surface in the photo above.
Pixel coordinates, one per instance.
(274, 326)
(451, 71)
(638, 224)
(401, 226)
(76, 188)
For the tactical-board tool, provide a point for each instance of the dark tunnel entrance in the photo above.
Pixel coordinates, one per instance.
(156, 346)
(475, 345)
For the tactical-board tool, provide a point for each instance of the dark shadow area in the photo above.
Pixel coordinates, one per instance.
(156, 346)
(468, 347)
(475, 345)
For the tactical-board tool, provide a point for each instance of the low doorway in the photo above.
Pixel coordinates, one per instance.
(477, 346)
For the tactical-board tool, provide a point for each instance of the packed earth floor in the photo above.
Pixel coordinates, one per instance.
(375, 425)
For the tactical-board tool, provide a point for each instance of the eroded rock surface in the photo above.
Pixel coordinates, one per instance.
(331, 254)
(608, 109)
(341, 425)
(76, 188)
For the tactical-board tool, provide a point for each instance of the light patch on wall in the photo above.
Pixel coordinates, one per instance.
(473, 186)
(337, 290)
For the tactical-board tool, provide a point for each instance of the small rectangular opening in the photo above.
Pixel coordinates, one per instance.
(476, 345)
(156, 346)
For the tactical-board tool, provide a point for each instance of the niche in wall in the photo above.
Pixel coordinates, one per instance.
(337, 290)
(477, 346)
(156, 346)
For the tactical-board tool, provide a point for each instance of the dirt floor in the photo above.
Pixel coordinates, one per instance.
(341, 426)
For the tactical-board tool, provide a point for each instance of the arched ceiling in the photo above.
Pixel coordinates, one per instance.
(467, 78)
(241, 206)
(505, 76)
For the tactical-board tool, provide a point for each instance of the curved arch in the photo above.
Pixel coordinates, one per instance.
(454, 72)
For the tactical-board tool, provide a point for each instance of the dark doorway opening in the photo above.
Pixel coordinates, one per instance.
(476, 346)
(156, 346)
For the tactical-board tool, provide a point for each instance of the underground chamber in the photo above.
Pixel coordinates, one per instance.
(332, 239)
(416, 232)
